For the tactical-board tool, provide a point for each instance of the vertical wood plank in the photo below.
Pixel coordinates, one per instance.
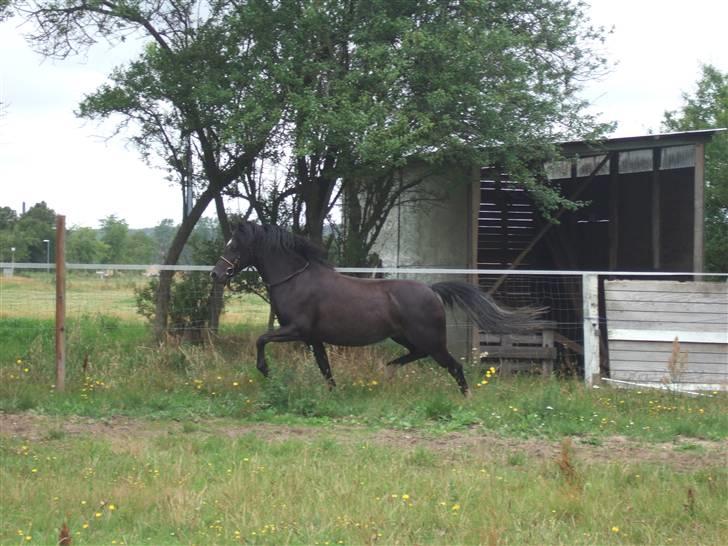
(473, 212)
(590, 296)
(655, 199)
(613, 211)
(698, 203)
(60, 303)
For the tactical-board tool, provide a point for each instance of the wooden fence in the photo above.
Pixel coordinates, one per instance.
(668, 332)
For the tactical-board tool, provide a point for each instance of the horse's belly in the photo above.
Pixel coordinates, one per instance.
(354, 331)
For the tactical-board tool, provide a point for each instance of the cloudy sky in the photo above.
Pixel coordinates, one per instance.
(46, 153)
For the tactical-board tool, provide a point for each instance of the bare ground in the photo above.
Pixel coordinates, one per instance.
(684, 454)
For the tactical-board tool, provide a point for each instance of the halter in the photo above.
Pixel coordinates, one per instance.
(233, 265)
(287, 278)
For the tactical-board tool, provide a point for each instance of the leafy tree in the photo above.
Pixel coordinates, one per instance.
(8, 221)
(83, 246)
(376, 85)
(141, 249)
(115, 236)
(8, 217)
(31, 229)
(4, 9)
(200, 96)
(350, 90)
(707, 108)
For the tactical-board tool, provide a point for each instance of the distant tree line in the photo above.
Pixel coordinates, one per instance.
(32, 235)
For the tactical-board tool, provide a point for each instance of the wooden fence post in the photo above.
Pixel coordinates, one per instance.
(590, 296)
(60, 303)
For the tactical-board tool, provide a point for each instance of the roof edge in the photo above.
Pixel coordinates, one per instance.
(579, 147)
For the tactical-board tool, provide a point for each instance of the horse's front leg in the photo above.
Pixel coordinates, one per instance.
(322, 360)
(284, 333)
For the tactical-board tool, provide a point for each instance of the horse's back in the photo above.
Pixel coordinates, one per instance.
(356, 311)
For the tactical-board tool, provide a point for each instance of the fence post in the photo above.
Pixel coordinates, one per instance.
(590, 297)
(60, 303)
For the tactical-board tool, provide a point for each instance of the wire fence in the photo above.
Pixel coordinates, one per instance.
(104, 292)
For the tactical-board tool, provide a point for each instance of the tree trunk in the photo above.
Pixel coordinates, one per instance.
(354, 249)
(172, 257)
(216, 304)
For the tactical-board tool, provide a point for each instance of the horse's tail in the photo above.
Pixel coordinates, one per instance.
(486, 313)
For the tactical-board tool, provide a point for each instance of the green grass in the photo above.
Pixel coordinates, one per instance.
(355, 470)
(114, 368)
(172, 486)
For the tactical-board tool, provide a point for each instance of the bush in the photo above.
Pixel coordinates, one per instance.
(190, 308)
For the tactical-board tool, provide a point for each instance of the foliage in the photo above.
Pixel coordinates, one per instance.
(376, 86)
(191, 293)
(343, 94)
(26, 233)
(707, 108)
(189, 310)
(84, 247)
(4, 14)
(114, 242)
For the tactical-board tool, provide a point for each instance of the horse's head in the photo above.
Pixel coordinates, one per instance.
(237, 254)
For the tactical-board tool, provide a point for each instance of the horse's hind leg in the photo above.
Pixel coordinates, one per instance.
(447, 361)
(414, 353)
(319, 351)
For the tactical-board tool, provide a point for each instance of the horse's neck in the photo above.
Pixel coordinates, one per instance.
(275, 266)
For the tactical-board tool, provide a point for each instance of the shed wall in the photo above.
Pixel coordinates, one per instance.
(432, 228)
(645, 317)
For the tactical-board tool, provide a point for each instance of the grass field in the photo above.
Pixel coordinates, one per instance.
(186, 444)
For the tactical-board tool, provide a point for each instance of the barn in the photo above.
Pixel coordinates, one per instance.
(643, 213)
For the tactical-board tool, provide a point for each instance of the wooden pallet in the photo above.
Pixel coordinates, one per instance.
(520, 352)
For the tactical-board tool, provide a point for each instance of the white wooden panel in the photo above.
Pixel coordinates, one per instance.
(697, 359)
(661, 365)
(670, 287)
(677, 297)
(632, 334)
(667, 306)
(662, 376)
(660, 346)
(665, 316)
(645, 317)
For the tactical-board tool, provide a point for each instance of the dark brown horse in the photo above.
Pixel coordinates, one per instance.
(317, 305)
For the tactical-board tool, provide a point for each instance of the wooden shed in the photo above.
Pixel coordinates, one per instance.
(644, 212)
(644, 209)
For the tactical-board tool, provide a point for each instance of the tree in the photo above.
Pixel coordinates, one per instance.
(140, 249)
(707, 108)
(200, 96)
(31, 230)
(8, 217)
(115, 237)
(84, 247)
(376, 85)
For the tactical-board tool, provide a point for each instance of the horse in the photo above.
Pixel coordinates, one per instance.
(315, 304)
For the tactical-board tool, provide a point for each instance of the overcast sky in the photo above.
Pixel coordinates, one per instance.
(47, 154)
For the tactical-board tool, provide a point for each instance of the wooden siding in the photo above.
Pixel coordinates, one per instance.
(644, 318)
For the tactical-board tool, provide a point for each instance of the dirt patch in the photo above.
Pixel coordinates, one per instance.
(684, 454)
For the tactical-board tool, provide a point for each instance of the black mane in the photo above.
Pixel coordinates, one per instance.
(268, 236)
